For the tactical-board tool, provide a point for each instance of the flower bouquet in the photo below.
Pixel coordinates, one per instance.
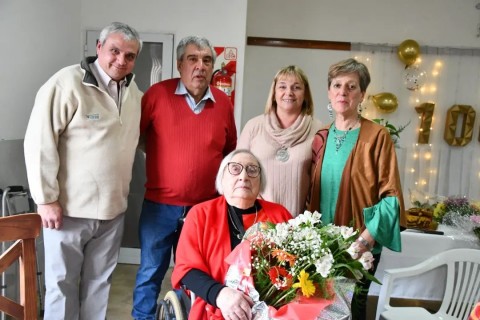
(292, 270)
(460, 213)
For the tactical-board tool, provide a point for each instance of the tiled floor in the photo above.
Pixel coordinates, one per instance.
(123, 281)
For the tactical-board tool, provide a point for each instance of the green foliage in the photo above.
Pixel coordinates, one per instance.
(392, 129)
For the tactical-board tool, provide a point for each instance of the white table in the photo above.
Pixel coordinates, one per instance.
(417, 247)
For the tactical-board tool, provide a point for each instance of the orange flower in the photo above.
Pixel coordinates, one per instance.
(280, 278)
(283, 256)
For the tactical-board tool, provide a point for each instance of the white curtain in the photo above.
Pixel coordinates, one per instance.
(435, 169)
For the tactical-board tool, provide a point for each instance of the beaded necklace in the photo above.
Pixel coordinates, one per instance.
(340, 138)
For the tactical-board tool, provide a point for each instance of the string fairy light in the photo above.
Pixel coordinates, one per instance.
(423, 162)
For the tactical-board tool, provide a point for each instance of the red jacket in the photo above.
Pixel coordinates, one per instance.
(205, 243)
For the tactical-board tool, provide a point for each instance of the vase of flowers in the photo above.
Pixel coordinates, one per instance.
(295, 266)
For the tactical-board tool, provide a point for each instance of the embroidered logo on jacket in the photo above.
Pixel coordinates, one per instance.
(93, 116)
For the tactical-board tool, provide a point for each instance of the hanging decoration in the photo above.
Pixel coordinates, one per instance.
(408, 51)
(467, 125)
(386, 102)
(414, 78)
(426, 117)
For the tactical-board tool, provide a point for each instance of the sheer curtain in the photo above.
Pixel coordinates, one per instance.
(435, 169)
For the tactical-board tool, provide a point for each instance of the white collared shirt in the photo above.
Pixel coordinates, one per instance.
(196, 107)
(113, 88)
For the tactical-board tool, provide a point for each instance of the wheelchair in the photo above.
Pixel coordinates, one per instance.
(176, 305)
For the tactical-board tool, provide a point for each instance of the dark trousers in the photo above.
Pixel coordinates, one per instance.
(359, 300)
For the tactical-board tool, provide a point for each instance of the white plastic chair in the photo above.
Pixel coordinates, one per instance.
(462, 289)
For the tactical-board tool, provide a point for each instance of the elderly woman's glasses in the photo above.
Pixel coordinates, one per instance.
(236, 168)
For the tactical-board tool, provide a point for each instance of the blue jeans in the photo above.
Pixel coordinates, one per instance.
(158, 232)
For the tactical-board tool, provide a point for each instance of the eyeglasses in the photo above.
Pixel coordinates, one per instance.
(236, 168)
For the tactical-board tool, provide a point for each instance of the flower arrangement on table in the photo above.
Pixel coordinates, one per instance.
(293, 266)
(459, 212)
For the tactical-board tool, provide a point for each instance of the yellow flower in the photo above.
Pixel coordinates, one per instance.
(308, 289)
(476, 206)
(439, 210)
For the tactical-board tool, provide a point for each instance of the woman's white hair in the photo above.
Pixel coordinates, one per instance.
(223, 167)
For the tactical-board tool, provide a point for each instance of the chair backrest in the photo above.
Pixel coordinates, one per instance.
(23, 229)
(462, 290)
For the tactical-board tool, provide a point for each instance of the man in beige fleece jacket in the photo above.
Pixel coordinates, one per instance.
(79, 150)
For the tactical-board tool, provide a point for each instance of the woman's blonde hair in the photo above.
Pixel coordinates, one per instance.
(307, 106)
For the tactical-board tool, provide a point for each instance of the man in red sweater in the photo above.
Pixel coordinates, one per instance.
(188, 128)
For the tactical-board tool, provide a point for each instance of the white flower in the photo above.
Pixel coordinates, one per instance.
(354, 249)
(307, 217)
(324, 265)
(281, 233)
(347, 232)
(295, 222)
(367, 260)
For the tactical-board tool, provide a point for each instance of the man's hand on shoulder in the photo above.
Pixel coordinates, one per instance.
(51, 214)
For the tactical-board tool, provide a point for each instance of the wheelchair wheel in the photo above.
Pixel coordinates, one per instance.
(171, 308)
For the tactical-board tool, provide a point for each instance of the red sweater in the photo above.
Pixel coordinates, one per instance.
(184, 149)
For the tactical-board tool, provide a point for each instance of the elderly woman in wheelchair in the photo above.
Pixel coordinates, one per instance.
(213, 229)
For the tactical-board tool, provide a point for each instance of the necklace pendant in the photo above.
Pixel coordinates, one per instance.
(239, 237)
(339, 139)
(282, 154)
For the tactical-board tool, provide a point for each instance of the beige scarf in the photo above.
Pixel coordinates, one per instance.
(287, 137)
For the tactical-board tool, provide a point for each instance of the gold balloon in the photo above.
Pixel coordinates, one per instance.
(385, 102)
(408, 51)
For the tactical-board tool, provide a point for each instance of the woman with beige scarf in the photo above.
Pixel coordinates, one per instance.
(282, 138)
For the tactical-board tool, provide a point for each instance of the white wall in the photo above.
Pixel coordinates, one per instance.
(432, 23)
(40, 37)
(43, 36)
(438, 23)
(222, 22)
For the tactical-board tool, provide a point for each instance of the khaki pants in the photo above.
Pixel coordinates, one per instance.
(79, 262)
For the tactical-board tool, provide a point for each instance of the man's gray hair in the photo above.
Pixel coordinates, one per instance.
(118, 27)
(200, 42)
